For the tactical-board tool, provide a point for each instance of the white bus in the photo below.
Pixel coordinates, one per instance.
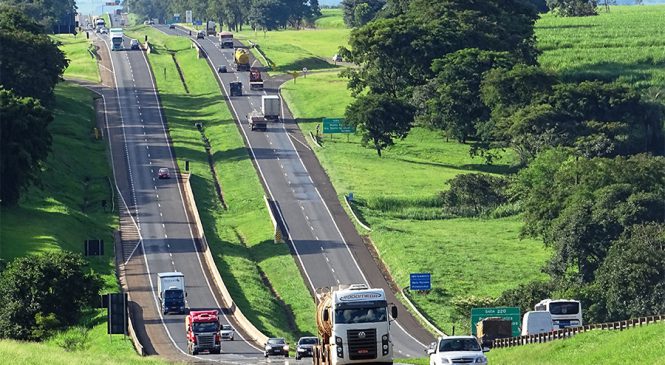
(565, 312)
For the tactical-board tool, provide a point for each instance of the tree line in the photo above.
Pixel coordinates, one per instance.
(590, 178)
(234, 14)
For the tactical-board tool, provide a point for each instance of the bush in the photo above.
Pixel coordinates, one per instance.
(75, 339)
(525, 296)
(474, 194)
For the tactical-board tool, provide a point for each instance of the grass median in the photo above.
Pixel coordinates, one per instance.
(241, 238)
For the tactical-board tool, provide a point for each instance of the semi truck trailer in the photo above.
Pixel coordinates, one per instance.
(171, 288)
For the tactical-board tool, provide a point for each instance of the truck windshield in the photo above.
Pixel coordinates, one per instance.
(360, 315)
(565, 308)
(173, 294)
(459, 344)
(204, 327)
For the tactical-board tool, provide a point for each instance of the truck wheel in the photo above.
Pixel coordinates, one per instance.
(297, 357)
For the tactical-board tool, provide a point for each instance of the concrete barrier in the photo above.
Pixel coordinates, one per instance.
(247, 326)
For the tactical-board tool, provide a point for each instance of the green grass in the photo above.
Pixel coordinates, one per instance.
(291, 50)
(100, 348)
(639, 346)
(240, 237)
(82, 65)
(625, 44)
(330, 18)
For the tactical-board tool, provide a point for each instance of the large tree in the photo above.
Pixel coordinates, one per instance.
(358, 12)
(380, 118)
(45, 12)
(35, 64)
(24, 143)
(573, 7)
(59, 285)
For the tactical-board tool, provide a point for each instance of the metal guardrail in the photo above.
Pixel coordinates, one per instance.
(569, 332)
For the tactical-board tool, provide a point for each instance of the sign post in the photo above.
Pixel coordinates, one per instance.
(509, 313)
(188, 16)
(420, 281)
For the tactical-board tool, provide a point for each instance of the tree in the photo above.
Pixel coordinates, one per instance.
(24, 143)
(268, 14)
(359, 12)
(573, 7)
(45, 12)
(456, 107)
(58, 285)
(474, 194)
(631, 276)
(380, 118)
(35, 64)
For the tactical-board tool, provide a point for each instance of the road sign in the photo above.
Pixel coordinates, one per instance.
(176, 18)
(420, 281)
(198, 22)
(337, 125)
(188, 16)
(510, 313)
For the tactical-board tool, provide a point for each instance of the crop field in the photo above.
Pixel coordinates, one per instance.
(82, 64)
(625, 44)
(240, 237)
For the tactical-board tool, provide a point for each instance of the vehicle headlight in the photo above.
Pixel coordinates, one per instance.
(268, 348)
(286, 347)
(481, 360)
(301, 349)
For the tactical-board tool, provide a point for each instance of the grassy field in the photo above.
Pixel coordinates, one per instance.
(59, 215)
(330, 18)
(82, 65)
(240, 237)
(625, 44)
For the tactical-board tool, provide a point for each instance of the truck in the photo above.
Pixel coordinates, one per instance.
(353, 326)
(241, 59)
(257, 121)
(171, 288)
(99, 24)
(202, 329)
(492, 328)
(211, 28)
(116, 39)
(255, 79)
(270, 106)
(226, 40)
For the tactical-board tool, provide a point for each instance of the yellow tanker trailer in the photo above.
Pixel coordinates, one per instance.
(241, 58)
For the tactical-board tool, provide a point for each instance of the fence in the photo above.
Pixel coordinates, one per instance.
(569, 332)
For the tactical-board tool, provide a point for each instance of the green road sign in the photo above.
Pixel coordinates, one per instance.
(510, 313)
(337, 125)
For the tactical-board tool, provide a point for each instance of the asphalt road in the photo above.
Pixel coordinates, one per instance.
(167, 243)
(322, 250)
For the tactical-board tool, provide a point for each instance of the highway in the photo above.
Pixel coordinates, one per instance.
(166, 239)
(322, 248)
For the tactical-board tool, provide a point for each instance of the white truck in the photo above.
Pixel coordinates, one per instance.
(116, 35)
(171, 289)
(353, 325)
(270, 106)
(211, 28)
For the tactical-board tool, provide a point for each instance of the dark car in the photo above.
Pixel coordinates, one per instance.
(221, 69)
(305, 345)
(276, 346)
(235, 88)
(163, 173)
(200, 35)
(134, 44)
(171, 26)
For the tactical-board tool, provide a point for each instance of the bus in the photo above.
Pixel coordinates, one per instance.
(565, 312)
(116, 39)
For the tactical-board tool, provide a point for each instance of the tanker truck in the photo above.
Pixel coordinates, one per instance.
(241, 59)
(353, 326)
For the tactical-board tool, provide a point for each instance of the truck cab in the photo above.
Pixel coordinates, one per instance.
(456, 350)
(202, 328)
(257, 121)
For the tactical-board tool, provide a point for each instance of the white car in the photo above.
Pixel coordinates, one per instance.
(456, 350)
(227, 332)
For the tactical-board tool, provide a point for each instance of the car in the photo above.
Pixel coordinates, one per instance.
(151, 22)
(200, 35)
(456, 350)
(337, 58)
(227, 332)
(276, 346)
(221, 69)
(163, 173)
(171, 26)
(304, 347)
(134, 44)
(104, 31)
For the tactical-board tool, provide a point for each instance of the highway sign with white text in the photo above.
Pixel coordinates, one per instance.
(510, 313)
(420, 281)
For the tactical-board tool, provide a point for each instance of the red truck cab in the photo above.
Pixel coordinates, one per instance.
(202, 329)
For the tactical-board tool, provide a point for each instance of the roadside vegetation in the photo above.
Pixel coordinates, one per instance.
(82, 63)
(241, 238)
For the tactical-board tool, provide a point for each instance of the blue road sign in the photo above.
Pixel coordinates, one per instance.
(198, 22)
(421, 281)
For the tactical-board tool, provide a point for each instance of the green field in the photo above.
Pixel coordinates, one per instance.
(625, 44)
(59, 215)
(82, 64)
(330, 18)
(241, 237)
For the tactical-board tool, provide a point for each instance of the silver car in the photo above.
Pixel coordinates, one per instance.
(227, 332)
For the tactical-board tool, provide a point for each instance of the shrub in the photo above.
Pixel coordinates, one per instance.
(474, 194)
(74, 339)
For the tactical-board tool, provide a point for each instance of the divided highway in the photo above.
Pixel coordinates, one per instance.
(136, 125)
(323, 249)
